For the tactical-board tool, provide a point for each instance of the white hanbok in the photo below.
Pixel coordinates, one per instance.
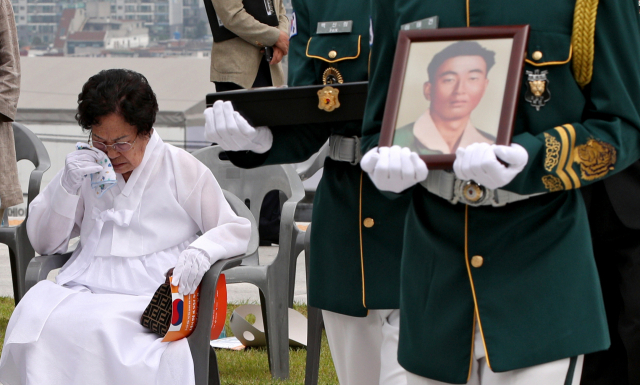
(85, 329)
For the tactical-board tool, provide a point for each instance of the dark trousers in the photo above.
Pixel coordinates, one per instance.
(269, 223)
(263, 79)
(617, 254)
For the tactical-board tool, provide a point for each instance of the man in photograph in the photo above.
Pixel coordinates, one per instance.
(457, 82)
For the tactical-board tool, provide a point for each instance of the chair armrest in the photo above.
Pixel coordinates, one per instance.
(207, 296)
(210, 278)
(39, 267)
(308, 168)
(199, 340)
(35, 180)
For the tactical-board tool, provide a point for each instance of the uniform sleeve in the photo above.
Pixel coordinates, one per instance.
(291, 144)
(224, 234)
(236, 19)
(55, 216)
(382, 51)
(607, 139)
(302, 70)
(283, 21)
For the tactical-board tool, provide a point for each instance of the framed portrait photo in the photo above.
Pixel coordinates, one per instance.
(453, 87)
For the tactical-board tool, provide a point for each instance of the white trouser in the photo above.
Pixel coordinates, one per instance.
(551, 373)
(365, 349)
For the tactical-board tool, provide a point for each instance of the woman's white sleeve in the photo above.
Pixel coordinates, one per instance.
(224, 234)
(55, 216)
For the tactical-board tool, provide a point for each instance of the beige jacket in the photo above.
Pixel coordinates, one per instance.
(10, 191)
(237, 60)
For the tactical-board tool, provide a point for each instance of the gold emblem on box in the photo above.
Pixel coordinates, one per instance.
(596, 159)
(328, 99)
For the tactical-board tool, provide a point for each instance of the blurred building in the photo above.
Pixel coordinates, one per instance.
(38, 21)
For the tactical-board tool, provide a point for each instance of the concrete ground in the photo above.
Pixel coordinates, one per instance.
(237, 293)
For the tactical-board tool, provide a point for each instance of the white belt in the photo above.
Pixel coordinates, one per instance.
(345, 149)
(445, 185)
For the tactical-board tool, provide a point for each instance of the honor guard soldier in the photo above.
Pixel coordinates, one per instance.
(356, 241)
(508, 293)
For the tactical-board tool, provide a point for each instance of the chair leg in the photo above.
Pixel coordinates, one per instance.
(276, 328)
(297, 247)
(214, 373)
(314, 342)
(20, 255)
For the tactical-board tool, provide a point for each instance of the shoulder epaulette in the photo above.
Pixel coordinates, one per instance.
(582, 40)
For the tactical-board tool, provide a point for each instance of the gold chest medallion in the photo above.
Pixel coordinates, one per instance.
(332, 76)
(537, 93)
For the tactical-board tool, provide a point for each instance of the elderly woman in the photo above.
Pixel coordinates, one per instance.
(85, 329)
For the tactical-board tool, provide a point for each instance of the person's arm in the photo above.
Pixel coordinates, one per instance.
(224, 234)
(283, 21)
(607, 139)
(385, 35)
(9, 63)
(236, 19)
(302, 71)
(55, 216)
(291, 144)
(281, 48)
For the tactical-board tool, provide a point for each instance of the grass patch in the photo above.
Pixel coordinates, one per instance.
(247, 367)
(251, 366)
(6, 308)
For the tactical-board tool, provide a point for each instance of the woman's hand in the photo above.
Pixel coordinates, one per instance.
(78, 165)
(191, 266)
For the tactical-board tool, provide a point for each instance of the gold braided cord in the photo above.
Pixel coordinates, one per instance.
(582, 40)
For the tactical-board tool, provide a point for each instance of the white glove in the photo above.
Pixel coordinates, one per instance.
(393, 168)
(191, 266)
(78, 165)
(225, 126)
(479, 162)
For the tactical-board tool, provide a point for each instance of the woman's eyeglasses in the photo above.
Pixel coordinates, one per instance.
(119, 147)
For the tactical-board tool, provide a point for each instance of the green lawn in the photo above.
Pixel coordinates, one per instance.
(6, 308)
(246, 367)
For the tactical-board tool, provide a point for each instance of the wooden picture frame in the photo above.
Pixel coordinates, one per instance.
(473, 95)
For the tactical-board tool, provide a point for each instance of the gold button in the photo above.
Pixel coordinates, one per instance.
(537, 55)
(477, 261)
(368, 222)
(332, 54)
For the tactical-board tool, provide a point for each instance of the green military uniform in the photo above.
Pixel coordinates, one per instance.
(526, 269)
(357, 232)
(404, 137)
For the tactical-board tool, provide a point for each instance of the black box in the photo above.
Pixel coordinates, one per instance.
(294, 105)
